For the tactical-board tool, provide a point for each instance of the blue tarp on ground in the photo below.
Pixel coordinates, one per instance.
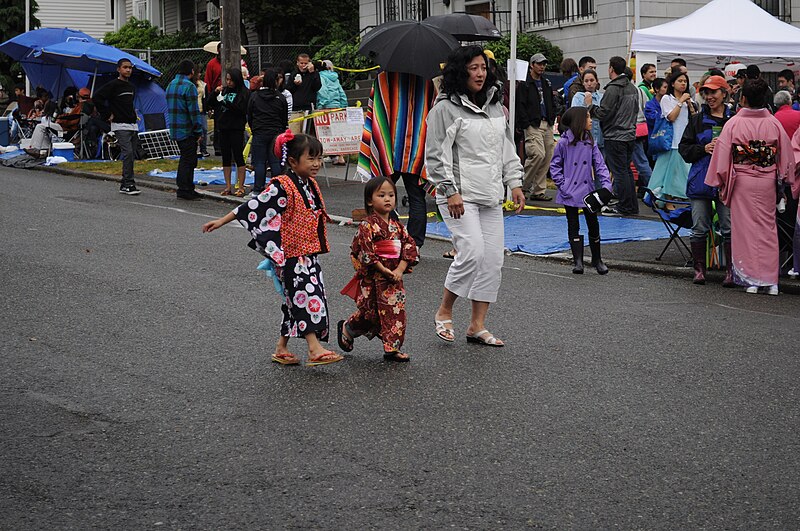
(206, 176)
(548, 234)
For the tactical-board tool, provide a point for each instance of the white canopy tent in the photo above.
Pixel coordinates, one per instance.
(720, 32)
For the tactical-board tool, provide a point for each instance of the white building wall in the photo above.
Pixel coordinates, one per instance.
(89, 16)
(171, 16)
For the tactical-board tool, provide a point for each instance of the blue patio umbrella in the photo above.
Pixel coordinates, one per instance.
(51, 76)
(91, 56)
(23, 45)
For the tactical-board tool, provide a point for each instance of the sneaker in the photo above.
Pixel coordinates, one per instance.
(773, 290)
(205, 154)
(610, 211)
(751, 289)
(129, 190)
(793, 274)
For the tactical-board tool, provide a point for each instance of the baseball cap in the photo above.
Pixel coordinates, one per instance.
(84, 92)
(732, 70)
(489, 54)
(538, 58)
(715, 83)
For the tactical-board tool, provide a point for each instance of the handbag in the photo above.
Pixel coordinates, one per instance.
(641, 129)
(660, 140)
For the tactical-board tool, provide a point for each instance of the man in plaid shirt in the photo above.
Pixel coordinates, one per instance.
(185, 126)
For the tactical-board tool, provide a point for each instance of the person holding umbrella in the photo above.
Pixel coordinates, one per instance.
(470, 155)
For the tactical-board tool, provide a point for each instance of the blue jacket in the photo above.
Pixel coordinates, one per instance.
(331, 94)
(571, 170)
(652, 110)
(697, 134)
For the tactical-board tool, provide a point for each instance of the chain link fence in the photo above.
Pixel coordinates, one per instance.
(258, 56)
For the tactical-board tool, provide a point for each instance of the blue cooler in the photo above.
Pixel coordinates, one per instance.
(64, 149)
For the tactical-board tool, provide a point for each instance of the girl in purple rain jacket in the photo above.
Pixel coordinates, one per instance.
(576, 165)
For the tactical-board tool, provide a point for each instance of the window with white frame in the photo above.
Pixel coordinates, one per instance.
(557, 12)
(140, 10)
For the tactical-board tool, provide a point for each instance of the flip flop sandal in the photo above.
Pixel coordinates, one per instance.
(227, 191)
(478, 338)
(289, 359)
(320, 360)
(441, 330)
(396, 357)
(239, 192)
(449, 254)
(341, 327)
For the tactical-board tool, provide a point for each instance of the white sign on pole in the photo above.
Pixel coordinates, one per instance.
(340, 131)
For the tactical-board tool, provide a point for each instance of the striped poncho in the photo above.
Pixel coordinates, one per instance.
(393, 140)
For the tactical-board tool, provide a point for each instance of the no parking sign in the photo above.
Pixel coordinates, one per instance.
(340, 131)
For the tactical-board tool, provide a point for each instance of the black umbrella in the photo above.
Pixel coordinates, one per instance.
(408, 47)
(466, 27)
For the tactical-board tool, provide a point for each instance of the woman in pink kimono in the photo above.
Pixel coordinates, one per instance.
(752, 158)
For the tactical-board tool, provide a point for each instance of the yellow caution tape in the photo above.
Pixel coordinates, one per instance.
(323, 112)
(356, 71)
(509, 206)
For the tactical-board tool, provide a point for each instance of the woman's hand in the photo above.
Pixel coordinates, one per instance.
(685, 97)
(587, 99)
(455, 205)
(710, 146)
(518, 197)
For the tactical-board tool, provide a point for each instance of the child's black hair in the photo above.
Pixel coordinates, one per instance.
(300, 144)
(575, 120)
(372, 186)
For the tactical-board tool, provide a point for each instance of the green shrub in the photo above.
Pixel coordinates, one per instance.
(527, 45)
(344, 54)
(141, 34)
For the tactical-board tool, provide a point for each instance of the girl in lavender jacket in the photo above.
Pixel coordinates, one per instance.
(575, 166)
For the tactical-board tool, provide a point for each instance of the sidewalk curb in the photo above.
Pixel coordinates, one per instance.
(715, 277)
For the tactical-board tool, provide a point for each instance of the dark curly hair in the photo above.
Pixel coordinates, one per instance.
(455, 75)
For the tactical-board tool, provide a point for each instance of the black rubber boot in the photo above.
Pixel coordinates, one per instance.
(576, 245)
(699, 261)
(597, 261)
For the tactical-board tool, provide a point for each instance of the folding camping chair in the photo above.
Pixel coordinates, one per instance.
(674, 219)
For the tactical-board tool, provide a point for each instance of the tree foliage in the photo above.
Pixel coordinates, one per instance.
(527, 45)
(12, 23)
(141, 34)
(344, 54)
(302, 21)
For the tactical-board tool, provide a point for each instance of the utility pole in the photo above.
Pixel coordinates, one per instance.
(27, 29)
(230, 35)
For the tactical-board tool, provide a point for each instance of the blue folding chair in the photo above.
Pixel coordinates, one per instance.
(674, 219)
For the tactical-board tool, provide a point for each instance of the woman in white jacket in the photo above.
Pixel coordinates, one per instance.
(470, 157)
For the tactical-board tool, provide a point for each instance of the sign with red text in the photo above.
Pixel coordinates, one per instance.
(340, 131)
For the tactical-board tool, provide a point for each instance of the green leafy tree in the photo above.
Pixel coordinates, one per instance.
(527, 45)
(12, 23)
(302, 21)
(141, 34)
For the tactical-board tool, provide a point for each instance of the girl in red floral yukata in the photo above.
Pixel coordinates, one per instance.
(381, 252)
(287, 222)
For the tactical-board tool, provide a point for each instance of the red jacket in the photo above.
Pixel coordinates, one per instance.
(213, 77)
(789, 119)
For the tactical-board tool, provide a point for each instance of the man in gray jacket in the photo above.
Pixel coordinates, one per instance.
(617, 113)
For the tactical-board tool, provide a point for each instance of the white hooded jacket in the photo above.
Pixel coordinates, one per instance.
(470, 150)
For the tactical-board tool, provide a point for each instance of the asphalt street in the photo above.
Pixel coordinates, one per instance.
(138, 391)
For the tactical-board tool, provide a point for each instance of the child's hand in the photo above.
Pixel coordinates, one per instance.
(213, 225)
(396, 275)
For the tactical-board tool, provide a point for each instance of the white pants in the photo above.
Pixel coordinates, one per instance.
(41, 136)
(478, 239)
